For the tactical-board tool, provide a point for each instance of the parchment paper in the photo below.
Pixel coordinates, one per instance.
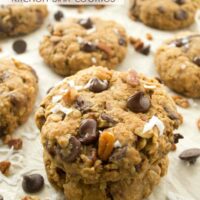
(182, 181)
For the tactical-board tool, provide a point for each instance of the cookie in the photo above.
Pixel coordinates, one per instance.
(178, 64)
(170, 15)
(18, 89)
(75, 44)
(19, 20)
(106, 134)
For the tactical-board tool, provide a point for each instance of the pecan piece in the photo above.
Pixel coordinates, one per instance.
(4, 167)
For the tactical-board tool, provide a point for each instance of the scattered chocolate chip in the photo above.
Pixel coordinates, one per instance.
(86, 23)
(190, 155)
(19, 46)
(180, 15)
(107, 118)
(180, 2)
(118, 154)
(177, 137)
(139, 102)
(145, 50)
(88, 47)
(58, 15)
(122, 41)
(72, 151)
(161, 9)
(88, 131)
(32, 183)
(82, 105)
(196, 60)
(97, 85)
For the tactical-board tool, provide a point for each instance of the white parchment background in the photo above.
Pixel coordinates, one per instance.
(182, 181)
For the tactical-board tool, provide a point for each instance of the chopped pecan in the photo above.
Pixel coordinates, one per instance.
(102, 46)
(106, 145)
(16, 143)
(4, 167)
(70, 96)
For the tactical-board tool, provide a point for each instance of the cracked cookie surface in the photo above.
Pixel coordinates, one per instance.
(19, 20)
(178, 64)
(167, 15)
(18, 89)
(75, 44)
(106, 134)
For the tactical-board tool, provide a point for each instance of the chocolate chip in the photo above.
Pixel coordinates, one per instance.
(145, 50)
(139, 102)
(177, 137)
(32, 183)
(171, 114)
(88, 131)
(97, 85)
(88, 47)
(58, 15)
(179, 43)
(180, 2)
(86, 23)
(118, 154)
(61, 173)
(1, 197)
(181, 15)
(82, 105)
(72, 152)
(19, 46)
(190, 155)
(196, 60)
(122, 41)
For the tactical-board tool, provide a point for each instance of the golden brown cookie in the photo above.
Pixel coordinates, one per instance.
(18, 89)
(106, 134)
(75, 44)
(178, 64)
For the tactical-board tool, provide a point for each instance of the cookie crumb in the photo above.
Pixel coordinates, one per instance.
(180, 101)
(4, 167)
(149, 36)
(16, 143)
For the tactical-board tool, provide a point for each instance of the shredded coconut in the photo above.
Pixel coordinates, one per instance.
(149, 86)
(57, 98)
(58, 107)
(154, 121)
(117, 144)
(94, 61)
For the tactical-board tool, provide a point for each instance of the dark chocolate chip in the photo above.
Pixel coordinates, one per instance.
(1, 197)
(190, 155)
(181, 15)
(107, 118)
(177, 137)
(96, 85)
(88, 131)
(58, 15)
(145, 50)
(138, 167)
(61, 173)
(161, 9)
(86, 23)
(122, 41)
(118, 154)
(180, 2)
(19, 46)
(82, 105)
(139, 102)
(196, 60)
(32, 183)
(88, 47)
(72, 152)
(179, 43)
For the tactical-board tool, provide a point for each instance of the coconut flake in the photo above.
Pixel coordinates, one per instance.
(149, 86)
(72, 84)
(154, 121)
(57, 98)
(58, 107)
(117, 144)
(92, 30)
(94, 60)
